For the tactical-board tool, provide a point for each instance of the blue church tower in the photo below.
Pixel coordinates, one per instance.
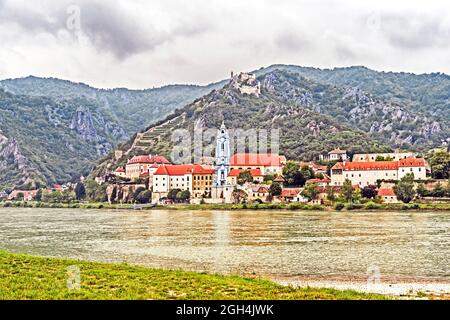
(222, 156)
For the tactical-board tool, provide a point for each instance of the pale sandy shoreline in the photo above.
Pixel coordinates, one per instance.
(396, 286)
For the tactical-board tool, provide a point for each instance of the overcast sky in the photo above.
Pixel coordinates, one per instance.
(146, 43)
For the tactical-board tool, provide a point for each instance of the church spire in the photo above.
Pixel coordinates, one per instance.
(222, 156)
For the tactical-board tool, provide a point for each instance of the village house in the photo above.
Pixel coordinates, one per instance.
(120, 172)
(319, 182)
(203, 179)
(289, 194)
(258, 191)
(234, 174)
(300, 198)
(368, 173)
(280, 180)
(387, 195)
(192, 177)
(268, 163)
(317, 169)
(336, 154)
(28, 195)
(139, 165)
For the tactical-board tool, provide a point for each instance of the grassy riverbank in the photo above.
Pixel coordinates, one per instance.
(30, 277)
(250, 206)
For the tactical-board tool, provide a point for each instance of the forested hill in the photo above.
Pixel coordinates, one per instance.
(304, 132)
(425, 93)
(54, 131)
(314, 118)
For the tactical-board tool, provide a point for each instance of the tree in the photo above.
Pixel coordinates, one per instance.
(307, 172)
(421, 191)
(404, 190)
(20, 196)
(330, 193)
(369, 192)
(381, 158)
(311, 191)
(67, 196)
(244, 176)
(80, 191)
(438, 191)
(172, 195)
(183, 196)
(292, 174)
(238, 195)
(135, 195)
(143, 196)
(347, 190)
(38, 195)
(52, 197)
(275, 189)
(95, 192)
(269, 177)
(440, 164)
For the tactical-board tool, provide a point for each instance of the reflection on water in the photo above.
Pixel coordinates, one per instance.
(261, 242)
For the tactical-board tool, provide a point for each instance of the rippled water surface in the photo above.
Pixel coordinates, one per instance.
(261, 242)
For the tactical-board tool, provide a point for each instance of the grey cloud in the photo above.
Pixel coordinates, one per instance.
(110, 29)
(108, 26)
(291, 41)
(414, 32)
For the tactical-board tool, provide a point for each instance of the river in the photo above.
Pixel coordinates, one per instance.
(318, 248)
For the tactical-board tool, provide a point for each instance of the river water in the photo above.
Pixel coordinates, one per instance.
(278, 244)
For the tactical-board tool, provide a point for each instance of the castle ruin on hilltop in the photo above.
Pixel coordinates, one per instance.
(246, 83)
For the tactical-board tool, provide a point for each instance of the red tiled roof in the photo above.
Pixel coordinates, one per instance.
(149, 159)
(120, 169)
(311, 181)
(144, 174)
(182, 169)
(57, 187)
(26, 193)
(318, 167)
(260, 189)
(253, 172)
(338, 165)
(412, 162)
(380, 165)
(376, 165)
(198, 169)
(386, 192)
(279, 179)
(256, 159)
(290, 192)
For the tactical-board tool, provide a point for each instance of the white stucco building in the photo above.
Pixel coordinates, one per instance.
(367, 173)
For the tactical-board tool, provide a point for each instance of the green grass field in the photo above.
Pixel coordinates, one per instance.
(30, 277)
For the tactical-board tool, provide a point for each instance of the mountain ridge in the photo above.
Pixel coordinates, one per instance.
(88, 123)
